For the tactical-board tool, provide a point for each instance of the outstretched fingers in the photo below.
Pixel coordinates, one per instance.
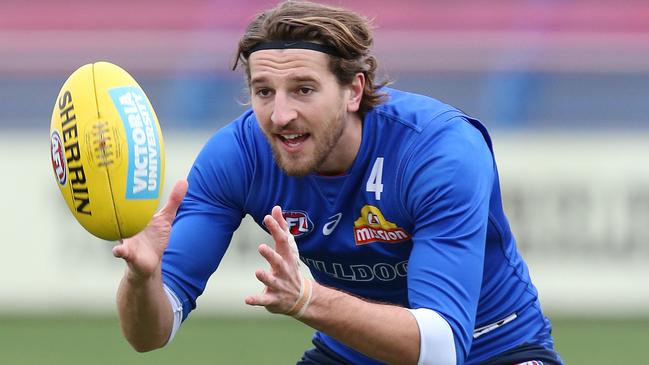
(144, 250)
(264, 298)
(283, 282)
(276, 213)
(278, 228)
(266, 278)
(274, 259)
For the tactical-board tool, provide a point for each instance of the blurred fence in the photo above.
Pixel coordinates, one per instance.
(561, 85)
(578, 204)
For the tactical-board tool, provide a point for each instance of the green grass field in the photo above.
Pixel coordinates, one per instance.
(75, 340)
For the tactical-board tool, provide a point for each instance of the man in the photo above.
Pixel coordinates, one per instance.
(392, 200)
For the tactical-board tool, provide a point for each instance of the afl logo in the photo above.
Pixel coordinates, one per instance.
(298, 222)
(58, 158)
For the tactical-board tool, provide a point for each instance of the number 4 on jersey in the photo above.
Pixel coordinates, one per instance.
(375, 181)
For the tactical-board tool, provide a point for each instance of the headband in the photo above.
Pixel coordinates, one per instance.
(293, 45)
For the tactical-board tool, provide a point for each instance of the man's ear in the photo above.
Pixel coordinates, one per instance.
(356, 92)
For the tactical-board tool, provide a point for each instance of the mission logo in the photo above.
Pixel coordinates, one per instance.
(372, 226)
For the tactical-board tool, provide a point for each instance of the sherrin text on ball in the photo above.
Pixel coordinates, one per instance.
(107, 151)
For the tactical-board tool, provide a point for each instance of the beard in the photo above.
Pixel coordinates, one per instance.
(324, 144)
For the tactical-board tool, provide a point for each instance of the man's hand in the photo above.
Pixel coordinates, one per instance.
(283, 282)
(386, 332)
(143, 252)
(145, 313)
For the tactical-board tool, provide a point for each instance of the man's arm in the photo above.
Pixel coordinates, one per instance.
(145, 313)
(385, 332)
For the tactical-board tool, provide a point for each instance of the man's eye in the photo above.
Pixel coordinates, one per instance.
(305, 90)
(263, 92)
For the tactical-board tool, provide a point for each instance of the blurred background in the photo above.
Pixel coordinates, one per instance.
(562, 86)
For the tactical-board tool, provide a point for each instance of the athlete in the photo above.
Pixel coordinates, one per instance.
(391, 199)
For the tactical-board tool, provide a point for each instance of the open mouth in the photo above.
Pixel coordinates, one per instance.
(293, 140)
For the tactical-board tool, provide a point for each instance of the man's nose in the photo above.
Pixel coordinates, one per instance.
(283, 110)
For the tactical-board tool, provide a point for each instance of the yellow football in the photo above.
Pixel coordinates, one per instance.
(107, 151)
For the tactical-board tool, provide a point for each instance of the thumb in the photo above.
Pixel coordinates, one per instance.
(121, 251)
(175, 198)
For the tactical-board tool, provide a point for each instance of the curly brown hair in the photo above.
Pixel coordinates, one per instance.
(348, 33)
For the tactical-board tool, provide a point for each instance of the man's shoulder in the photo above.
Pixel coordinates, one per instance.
(412, 110)
(419, 121)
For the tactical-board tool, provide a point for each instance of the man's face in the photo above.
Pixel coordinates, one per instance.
(303, 111)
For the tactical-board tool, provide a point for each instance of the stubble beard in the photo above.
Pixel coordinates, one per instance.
(305, 165)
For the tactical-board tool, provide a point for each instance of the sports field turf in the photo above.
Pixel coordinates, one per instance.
(205, 340)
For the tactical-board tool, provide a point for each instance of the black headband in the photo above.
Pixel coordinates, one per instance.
(293, 45)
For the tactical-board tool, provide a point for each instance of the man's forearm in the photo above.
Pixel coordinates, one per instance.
(384, 332)
(145, 312)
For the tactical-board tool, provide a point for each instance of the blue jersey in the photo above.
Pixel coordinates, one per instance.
(417, 221)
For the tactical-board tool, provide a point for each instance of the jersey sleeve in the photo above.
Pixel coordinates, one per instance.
(208, 216)
(448, 183)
